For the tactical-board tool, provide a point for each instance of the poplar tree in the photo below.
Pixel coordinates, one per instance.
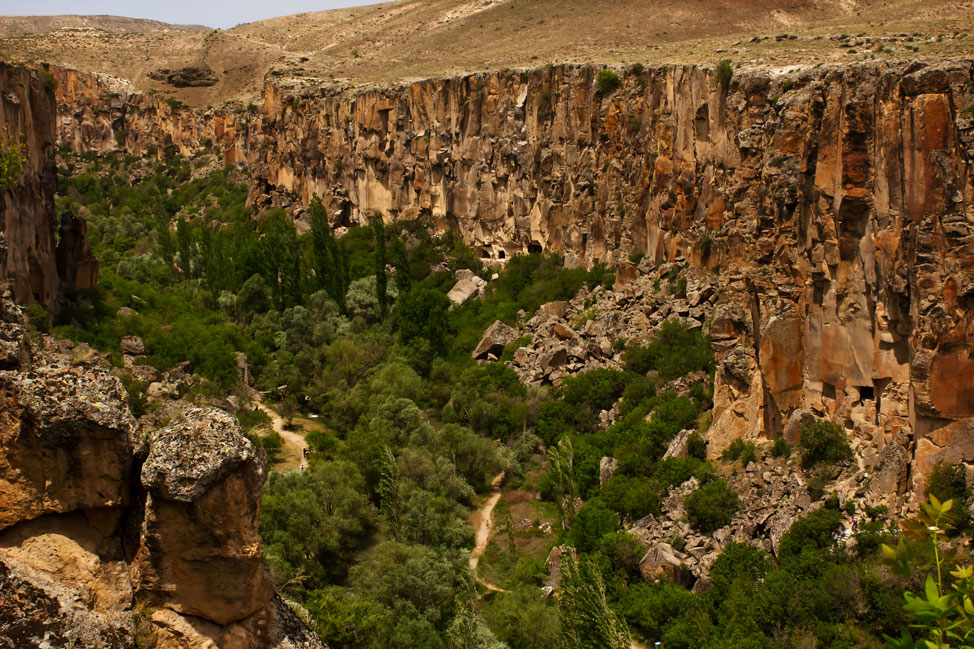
(330, 257)
(381, 280)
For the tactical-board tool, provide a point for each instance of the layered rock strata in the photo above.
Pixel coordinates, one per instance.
(111, 535)
(835, 204)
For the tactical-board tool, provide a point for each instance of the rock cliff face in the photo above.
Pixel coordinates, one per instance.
(110, 534)
(834, 203)
(36, 267)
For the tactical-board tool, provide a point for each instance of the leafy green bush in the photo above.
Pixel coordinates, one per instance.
(815, 487)
(746, 452)
(822, 442)
(633, 497)
(13, 157)
(724, 73)
(594, 520)
(50, 81)
(597, 389)
(635, 124)
(948, 481)
(675, 351)
(942, 614)
(780, 448)
(607, 80)
(696, 446)
(740, 565)
(813, 532)
(711, 507)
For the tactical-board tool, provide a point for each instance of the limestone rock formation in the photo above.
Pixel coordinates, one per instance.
(494, 339)
(188, 77)
(835, 204)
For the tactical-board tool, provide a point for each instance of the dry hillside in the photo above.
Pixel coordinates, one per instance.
(421, 38)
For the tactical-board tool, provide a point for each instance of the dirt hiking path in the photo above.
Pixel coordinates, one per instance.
(483, 522)
(277, 423)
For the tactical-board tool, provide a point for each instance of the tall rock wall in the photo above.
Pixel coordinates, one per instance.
(27, 115)
(836, 204)
(36, 263)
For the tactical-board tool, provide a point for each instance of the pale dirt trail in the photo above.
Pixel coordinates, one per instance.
(483, 522)
(277, 423)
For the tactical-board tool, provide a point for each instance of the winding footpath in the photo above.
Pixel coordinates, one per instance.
(277, 423)
(484, 517)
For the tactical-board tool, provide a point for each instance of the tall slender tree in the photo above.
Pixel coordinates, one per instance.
(330, 258)
(587, 621)
(381, 281)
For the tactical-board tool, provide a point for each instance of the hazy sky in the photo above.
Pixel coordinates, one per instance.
(218, 13)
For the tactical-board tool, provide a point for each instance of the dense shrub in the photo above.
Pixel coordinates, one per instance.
(746, 452)
(675, 351)
(822, 442)
(607, 80)
(813, 532)
(780, 448)
(696, 446)
(594, 521)
(948, 481)
(597, 389)
(740, 565)
(633, 497)
(711, 506)
(724, 73)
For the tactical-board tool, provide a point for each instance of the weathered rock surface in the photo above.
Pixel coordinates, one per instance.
(838, 207)
(36, 267)
(200, 551)
(64, 435)
(188, 77)
(81, 542)
(468, 285)
(494, 339)
(28, 115)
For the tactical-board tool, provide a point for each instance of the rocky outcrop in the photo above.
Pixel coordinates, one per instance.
(34, 265)
(110, 534)
(189, 77)
(202, 468)
(28, 116)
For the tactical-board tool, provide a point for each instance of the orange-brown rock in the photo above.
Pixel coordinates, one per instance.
(27, 115)
(72, 517)
(64, 441)
(200, 551)
(838, 206)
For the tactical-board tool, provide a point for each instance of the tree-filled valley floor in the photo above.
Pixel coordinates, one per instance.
(371, 539)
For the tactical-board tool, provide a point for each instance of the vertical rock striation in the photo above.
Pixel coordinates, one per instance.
(835, 203)
(36, 266)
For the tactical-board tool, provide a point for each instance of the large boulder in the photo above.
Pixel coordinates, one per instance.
(495, 338)
(64, 441)
(13, 336)
(467, 286)
(662, 562)
(200, 551)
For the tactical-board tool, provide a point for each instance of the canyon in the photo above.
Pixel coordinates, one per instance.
(833, 203)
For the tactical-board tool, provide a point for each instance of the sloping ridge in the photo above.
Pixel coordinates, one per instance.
(12, 26)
